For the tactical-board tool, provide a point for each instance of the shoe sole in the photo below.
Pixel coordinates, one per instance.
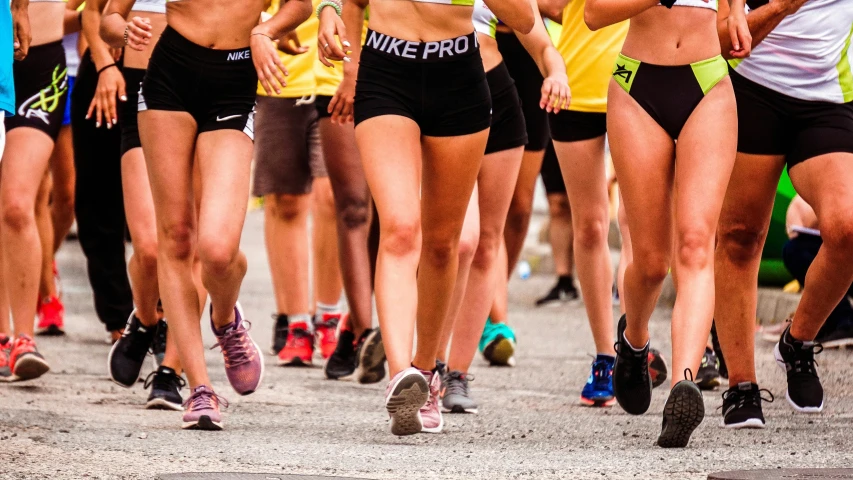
(500, 352)
(203, 423)
(683, 412)
(458, 409)
(781, 362)
(404, 405)
(29, 367)
(750, 423)
(371, 362)
(51, 331)
(295, 362)
(598, 403)
(162, 404)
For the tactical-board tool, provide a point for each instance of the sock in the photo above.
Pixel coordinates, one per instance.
(633, 347)
(302, 317)
(333, 309)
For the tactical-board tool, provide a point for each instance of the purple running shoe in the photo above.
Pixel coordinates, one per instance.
(202, 410)
(244, 364)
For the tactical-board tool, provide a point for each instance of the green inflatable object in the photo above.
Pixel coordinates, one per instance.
(772, 270)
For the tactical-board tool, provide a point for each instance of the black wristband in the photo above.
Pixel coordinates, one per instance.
(667, 3)
(106, 67)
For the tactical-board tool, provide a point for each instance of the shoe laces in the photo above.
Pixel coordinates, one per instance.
(601, 371)
(637, 361)
(434, 389)
(803, 361)
(741, 398)
(203, 399)
(456, 383)
(171, 379)
(235, 345)
(297, 335)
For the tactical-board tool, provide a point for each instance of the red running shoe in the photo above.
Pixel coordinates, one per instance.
(299, 347)
(5, 352)
(326, 332)
(25, 360)
(51, 315)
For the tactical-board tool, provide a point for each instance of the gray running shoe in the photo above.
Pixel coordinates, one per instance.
(456, 397)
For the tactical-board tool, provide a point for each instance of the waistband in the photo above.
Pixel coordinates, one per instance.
(174, 39)
(423, 52)
(46, 54)
(707, 72)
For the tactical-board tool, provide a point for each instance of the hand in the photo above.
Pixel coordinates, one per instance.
(21, 32)
(341, 104)
(331, 26)
(271, 71)
(556, 94)
(138, 33)
(739, 31)
(290, 44)
(110, 85)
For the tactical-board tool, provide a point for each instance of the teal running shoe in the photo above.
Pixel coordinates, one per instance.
(497, 344)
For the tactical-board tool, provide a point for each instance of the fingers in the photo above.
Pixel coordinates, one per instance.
(279, 70)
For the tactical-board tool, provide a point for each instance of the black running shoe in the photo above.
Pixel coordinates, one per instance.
(158, 346)
(708, 376)
(682, 413)
(632, 383)
(279, 332)
(742, 406)
(718, 351)
(371, 357)
(343, 361)
(128, 353)
(805, 393)
(166, 388)
(563, 291)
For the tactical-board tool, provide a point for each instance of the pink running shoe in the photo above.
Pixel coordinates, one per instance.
(431, 417)
(406, 394)
(244, 364)
(202, 410)
(51, 314)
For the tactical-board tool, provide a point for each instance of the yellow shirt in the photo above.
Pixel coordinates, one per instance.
(589, 57)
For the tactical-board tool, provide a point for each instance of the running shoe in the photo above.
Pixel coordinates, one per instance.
(796, 358)
(244, 363)
(25, 361)
(158, 345)
(51, 315)
(201, 410)
(128, 353)
(742, 406)
(838, 338)
(344, 360)
(455, 394)
(497, 344)
(279, 332)
(371, 357)
(682, 413)
(657, 367)
(598, 391)
(562, 292)
(431, 417)
(406, 393)
(299, 349)
(708, 376)
(166, 388)
(632, 383)
(718, 351)
(326, 333)
(5, 353)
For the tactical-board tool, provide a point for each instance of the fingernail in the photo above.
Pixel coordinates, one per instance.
(97, 124)
(123, 98)
(346, 59)
(115, 121)
(346, 44)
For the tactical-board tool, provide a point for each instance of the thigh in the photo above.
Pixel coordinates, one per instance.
(748, 201)
(584, 175)
(24, 163)
(496, 184)
(826, 183)
(343, 162)
(138, 202)
(643, 156)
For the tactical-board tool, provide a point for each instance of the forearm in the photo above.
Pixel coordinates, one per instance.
(601, 13)
(761, 22)
(112, 29)
(99, 49)
(291, 14)
(353, 18)
(538, 44)
(72, 23)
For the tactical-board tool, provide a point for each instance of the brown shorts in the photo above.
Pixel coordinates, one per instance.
(288, 154)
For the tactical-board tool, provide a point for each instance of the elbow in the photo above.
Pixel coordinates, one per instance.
(527, 26)
(593, 22)
(551, 12)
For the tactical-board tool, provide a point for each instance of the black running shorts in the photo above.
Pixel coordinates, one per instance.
(216, 87)
(128, 110)
(771, 123)
(41, 89)
(508, 129)
(552, 174)
(440, 85)
(572, 126)
(528, 83)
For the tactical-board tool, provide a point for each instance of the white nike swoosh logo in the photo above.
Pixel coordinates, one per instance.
(229, 117)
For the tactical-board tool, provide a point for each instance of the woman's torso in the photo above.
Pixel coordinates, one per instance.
(216, 24)
(421, 21)
(673, 36)
(46, 21)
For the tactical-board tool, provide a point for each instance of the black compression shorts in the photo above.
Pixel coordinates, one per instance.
(128, 110)
(41, 89)
(528, 82)
(508, 130)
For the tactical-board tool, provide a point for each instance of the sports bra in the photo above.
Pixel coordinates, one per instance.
(153, 6)
(710, 4)
(485, 21)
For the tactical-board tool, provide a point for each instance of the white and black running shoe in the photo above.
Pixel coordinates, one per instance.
(742, 406)
(166, 388)
(129, 352)
(796, 358)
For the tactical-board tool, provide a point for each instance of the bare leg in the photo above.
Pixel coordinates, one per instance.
(626, 256)
(62, 199)
(47, 285)
(327, 270)
(560, 233)
(286, 233)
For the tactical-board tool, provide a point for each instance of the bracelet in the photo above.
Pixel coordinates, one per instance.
(106, 67)
(329, 3)
(126, 29)
(263, 35)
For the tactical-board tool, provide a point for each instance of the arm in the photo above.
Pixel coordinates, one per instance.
(517, 15)
(268, 65)
(291, 14)
(553, 9)
(760, 22)
(555, 89)
(21, 36)
(114, 24)
(598, 14)
(100, 51)
(73, 21)
(110, 80)
(353, 21)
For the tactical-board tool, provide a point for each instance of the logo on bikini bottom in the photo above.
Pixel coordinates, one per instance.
(623, 72)
(46, 101)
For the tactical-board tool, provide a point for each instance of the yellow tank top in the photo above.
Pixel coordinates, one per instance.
(589, 57)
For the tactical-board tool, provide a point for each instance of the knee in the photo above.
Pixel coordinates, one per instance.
(487, 249)
(695, 248)
(653, 267)
(519, 215)
(146, 254)
(17, 215)
(468, 246)
(178, 240)
(401, 237)
(591, 232)
(837, 234)
(558, 206)
(287, 208)
(354, 214)
(216, 255)
(438, 251)
(741, 243)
